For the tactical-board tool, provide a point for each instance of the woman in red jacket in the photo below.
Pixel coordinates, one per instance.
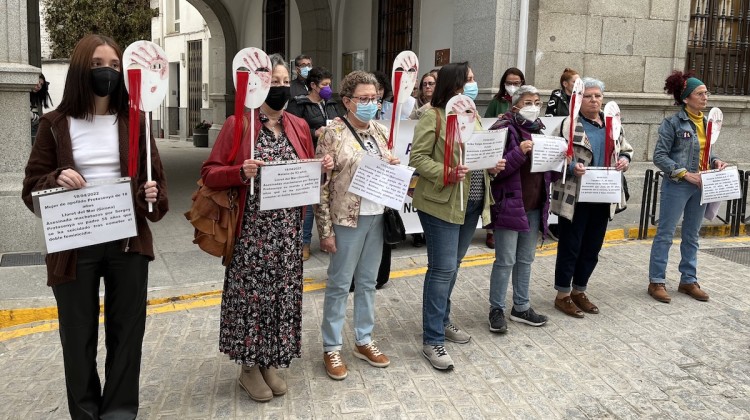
(261, 306)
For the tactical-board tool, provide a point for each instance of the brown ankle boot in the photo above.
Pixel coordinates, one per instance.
(694, 291)
(274, 381)
(659, 292)
(253, 383)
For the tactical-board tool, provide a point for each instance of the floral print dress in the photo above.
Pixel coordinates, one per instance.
(261, 306)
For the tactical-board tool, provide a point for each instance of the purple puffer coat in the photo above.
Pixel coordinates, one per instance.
(508, 211)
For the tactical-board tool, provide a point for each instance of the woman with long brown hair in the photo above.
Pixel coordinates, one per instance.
(86, 139)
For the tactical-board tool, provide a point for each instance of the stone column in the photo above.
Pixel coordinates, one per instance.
(485, 32)
(21, 230)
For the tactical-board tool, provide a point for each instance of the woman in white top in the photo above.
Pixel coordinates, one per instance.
(86, 139)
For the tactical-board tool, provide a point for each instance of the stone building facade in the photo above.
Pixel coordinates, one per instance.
(632, 45)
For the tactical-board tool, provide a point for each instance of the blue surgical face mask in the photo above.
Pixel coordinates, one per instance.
(471, 90)
(303, 71)
(366, 112)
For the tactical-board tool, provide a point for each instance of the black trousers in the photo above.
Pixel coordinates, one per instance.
(125, 283)
(579, 244)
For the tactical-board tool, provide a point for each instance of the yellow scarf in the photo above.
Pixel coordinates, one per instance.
(700, 129)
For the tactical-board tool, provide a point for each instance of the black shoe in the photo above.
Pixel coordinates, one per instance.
(497, 321)
(528, 317)
(417, 240)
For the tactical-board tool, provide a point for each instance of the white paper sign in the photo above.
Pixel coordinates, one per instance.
(720, 185)
(600, 185)
(290, 184)
(88, 216)
(548, 153)
(381, 182)
(484, 149)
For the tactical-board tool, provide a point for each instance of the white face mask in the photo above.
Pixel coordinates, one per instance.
(530, 112)
(511, 89)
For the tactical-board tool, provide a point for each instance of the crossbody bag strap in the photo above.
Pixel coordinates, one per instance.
(356, 136)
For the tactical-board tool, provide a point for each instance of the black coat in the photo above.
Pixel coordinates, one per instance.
(316, 114)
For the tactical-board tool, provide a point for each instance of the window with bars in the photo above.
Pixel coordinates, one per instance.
(719, 45)
(275, 27)
(395, 20)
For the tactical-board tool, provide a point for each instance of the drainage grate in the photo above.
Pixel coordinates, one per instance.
(740, 255)
(22, 259)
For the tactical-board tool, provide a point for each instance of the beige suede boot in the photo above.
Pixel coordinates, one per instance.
(253, 383)
(274, 381)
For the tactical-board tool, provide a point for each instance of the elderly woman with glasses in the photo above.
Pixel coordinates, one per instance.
(351, 227)
(682, 139)
(519, 213)
(582, 225)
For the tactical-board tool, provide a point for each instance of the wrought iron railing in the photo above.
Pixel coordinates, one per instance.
(395, 21)
(718, 46)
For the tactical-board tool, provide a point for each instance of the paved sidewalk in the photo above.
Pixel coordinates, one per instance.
(637, 359)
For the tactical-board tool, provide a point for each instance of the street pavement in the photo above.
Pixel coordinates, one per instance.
(637, 359)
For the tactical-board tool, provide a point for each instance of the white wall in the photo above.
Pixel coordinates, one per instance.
(357, 29)
(435, 31)
(55, 71)
(294, 33)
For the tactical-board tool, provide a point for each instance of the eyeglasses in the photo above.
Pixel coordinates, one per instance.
(428, 83)
(516, 84)
(595, 97)
(530, 103)
(706, 94)
(364, 100)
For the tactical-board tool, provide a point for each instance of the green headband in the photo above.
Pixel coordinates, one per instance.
(690, 85)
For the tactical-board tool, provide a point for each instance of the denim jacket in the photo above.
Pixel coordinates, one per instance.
(678, 148)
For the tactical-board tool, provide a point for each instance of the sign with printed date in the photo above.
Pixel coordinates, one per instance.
(88, 216)
(484, 149)
(548, 153)
(286, 184)
(600, 185)
(720, 185)
(381, 182)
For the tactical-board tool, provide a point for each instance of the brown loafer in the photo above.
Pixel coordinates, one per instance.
(659, 292)
(584, 303)
(566, 306)
(694, 291)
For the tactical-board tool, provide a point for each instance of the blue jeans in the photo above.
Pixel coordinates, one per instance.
(677, 199)
(358, 254)
(447, 244)
(307, 225)
(514, 253)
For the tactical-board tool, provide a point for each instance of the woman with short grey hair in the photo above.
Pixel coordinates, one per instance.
(520, 211)
(582, 225)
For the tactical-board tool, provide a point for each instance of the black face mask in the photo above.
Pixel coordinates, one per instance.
(277, 97)
(104, 80)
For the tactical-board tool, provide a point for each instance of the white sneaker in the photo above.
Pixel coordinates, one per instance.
(456, 335)
(438, 357)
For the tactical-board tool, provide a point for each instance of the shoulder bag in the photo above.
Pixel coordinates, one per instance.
(393, 227)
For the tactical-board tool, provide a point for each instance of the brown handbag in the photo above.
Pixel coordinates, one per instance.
(214, 215)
